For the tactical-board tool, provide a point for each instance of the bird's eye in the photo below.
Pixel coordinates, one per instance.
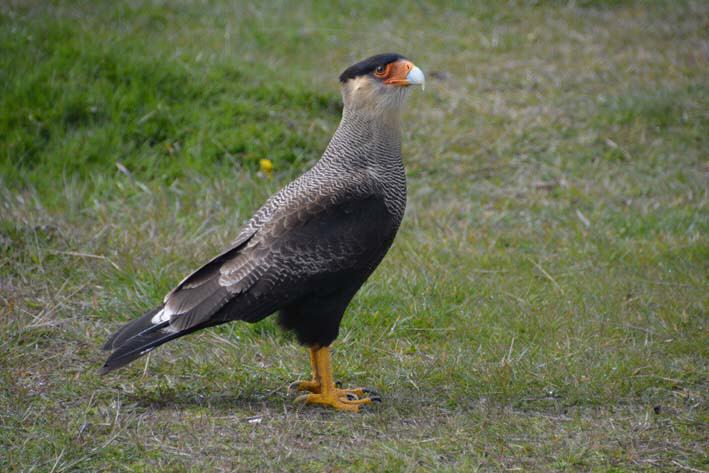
(380, 70)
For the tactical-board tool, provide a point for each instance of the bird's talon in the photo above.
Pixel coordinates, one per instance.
(311, 386)
(340, 399)
(326, 392)
(303, 398)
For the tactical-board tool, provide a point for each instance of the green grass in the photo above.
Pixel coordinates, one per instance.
(543, 307)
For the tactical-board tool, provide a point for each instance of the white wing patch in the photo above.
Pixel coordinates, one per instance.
(162, 316)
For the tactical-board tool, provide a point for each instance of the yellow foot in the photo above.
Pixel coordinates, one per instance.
(352, 394)
(341, 399)
(359, 393)
(312, 386)
(325, 392)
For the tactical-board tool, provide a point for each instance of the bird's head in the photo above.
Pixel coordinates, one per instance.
(379, 84)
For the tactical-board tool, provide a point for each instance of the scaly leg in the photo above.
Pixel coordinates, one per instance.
(314, 384)
(323, 389)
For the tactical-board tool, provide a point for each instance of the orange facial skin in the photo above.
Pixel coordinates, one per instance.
(395, 73)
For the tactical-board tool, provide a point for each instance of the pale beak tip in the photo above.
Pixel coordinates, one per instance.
(416, 77)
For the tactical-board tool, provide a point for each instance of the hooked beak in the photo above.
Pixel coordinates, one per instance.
(416, 77)
(405, 73)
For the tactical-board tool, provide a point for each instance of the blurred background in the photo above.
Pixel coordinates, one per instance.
(543, 308)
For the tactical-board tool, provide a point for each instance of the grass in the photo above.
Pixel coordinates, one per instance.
(543, 308)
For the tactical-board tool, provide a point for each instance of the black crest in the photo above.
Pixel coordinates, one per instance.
(368, 65)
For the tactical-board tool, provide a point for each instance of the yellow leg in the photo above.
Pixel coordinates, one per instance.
(314, 384)
(323, 390)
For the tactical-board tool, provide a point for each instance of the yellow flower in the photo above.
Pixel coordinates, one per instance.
(266, 166)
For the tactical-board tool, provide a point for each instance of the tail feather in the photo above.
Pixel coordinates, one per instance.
(135, 339)
(137, 347)
(131, 329)
(141, 336)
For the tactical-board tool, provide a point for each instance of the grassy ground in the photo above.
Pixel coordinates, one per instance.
(543, 308)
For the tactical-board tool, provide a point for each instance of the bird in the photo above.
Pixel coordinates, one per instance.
(307, 251)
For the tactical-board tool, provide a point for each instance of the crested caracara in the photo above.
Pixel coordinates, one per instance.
(307, 251)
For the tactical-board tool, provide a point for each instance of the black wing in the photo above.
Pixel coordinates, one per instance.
(330, 233)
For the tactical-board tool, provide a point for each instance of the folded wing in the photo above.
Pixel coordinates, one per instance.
(269, 265)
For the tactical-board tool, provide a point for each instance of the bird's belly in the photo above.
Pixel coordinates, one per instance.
(315, 317)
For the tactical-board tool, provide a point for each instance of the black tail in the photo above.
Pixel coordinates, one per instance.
(137, 338)
(131, 329)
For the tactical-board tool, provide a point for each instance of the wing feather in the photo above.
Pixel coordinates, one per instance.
(283, 255)
(327, 233)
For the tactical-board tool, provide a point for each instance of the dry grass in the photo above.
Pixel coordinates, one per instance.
(544, 307)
